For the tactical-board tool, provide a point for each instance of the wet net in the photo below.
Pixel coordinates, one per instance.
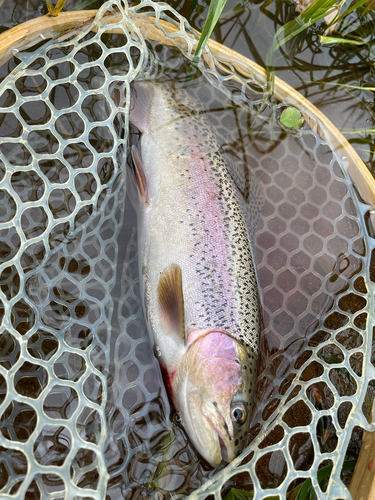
(83, 410)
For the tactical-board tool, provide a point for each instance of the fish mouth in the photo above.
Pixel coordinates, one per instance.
(207, 428)
(224, 459)
(218, 436)
(223, 451)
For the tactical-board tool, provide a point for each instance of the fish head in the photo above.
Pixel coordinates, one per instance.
(215, 396)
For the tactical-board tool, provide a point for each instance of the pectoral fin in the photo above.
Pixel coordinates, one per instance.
(140, 176)
(171, 302)
(141, 99)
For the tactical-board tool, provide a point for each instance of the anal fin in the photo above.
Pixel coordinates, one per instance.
(171, 302)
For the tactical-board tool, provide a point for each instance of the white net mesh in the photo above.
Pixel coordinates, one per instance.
(83, 411)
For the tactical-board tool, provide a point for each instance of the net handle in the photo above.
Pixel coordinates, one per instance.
(30, 32)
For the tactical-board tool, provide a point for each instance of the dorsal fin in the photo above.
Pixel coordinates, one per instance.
(250, 194)
(171, 302)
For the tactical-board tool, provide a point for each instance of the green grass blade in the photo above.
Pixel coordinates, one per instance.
(214, 12)
(332, 39)
(351, 9)
(318, 10)
(313, 9)
(54, 10)
(356, 87)
(305, 492)
(314, 13)
(347, 131)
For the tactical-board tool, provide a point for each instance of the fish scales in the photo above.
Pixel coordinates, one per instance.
(219, 262)
(191, 228)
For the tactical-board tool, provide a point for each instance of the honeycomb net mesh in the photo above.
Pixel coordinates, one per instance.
(83, 410)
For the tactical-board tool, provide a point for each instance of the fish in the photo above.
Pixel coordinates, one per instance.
(197, 277)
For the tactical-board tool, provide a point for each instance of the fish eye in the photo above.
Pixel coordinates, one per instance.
(239, 413)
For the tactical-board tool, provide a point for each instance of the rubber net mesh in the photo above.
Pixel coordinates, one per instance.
(83, 410)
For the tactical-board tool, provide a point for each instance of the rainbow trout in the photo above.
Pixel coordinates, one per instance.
(197, 276)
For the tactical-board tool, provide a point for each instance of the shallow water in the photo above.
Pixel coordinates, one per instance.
(312, 69)
(166, 467)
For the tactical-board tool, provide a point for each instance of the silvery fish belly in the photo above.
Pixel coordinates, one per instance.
(196, 270)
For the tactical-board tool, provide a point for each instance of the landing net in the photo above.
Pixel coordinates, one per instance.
(83, 410)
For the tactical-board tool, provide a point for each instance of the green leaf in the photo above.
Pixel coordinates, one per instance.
(291, 118)
(214, 12)
(332, 39)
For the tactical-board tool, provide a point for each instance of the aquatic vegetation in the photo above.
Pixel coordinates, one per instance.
(213, 16)
(54, 10)
(291, 118)
(303, 491)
